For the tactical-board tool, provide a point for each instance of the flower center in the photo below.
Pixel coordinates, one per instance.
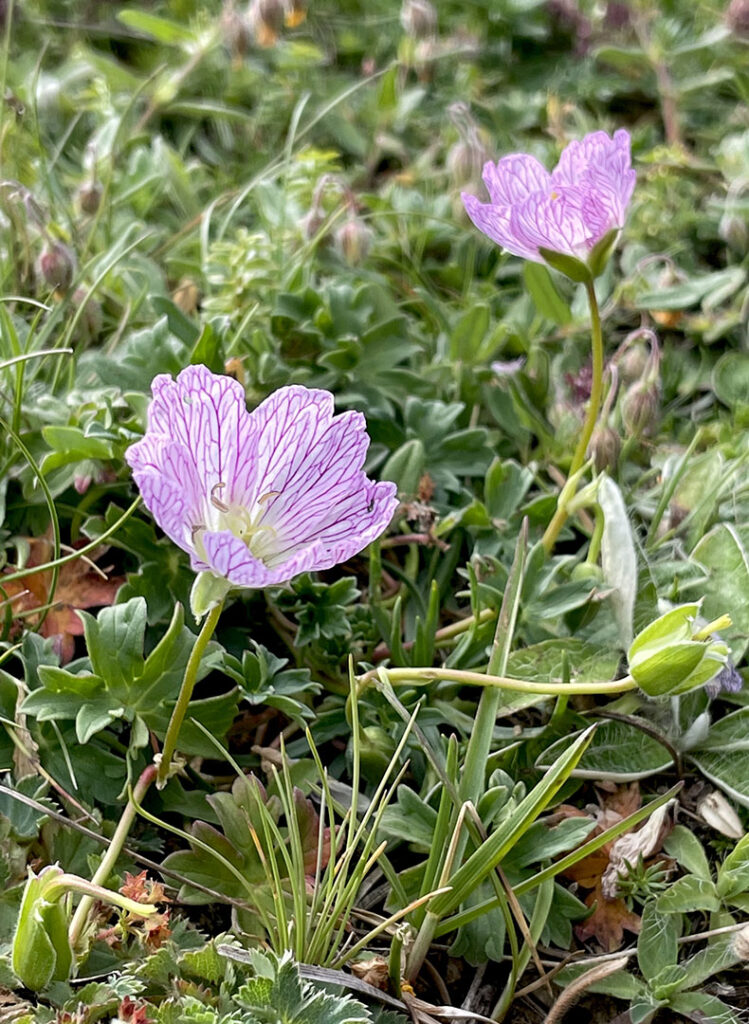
(243, 523)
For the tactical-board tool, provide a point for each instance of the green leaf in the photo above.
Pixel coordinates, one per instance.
(618, 557)
(114, 640)
(689, 894)
(725, 558)
(723, 757)
(468, 333)
(684, 846)
(163, 30)
(731, 379)
(657, 948)
(485, 859)
(701, 1006)
(618, 751)
(543, 291)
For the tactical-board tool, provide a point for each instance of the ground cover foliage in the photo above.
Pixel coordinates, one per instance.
(474, 766)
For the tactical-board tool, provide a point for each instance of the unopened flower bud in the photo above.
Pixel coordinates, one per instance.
(605, 445)
(632, 363)
(716, 812)
(89, 197)
(737, 17)
(236, 31)
(640, 408)
(672, 656)
(56, 266)
(419, 19)
(353, 239)
(266, 19)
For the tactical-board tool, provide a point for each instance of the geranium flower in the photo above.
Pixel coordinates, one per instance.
(257, 498)
(568, 211)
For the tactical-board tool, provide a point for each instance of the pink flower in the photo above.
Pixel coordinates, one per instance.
(257, 498)
(568, 211)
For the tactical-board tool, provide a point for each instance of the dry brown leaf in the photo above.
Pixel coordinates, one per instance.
(79, 586)
(600, 871)
(608, 922)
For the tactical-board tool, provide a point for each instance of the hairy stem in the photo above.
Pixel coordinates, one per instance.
(185, 693)
(596, 393)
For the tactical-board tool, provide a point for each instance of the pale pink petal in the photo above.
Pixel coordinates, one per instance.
(568, 221)
(206, 413)
(165, 475)
(602, 165)
(513, 178)
(494, 222)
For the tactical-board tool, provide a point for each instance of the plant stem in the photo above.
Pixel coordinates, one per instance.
(185, 693)
(454, 675)
(596, 393)
(109, 859)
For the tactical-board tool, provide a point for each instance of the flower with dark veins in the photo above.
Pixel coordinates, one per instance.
(257, 498)
(567, 211)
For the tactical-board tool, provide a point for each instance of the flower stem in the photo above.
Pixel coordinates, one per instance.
(596, 393)
(185, 693)
(454, 675)
(109, 859)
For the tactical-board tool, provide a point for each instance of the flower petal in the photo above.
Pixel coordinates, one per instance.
(228, 556)
(603, 165)
(568, 221)
(166, 477)
(205, 413)
(494, 222)
(310, 478)
(513, 178)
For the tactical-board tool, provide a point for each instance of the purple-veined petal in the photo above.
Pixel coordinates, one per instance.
(602, 165)
(205, 413)
(494, 222)
(310, 479)
(286, 428)
(166, 475)
(513, 178)
(567, 220)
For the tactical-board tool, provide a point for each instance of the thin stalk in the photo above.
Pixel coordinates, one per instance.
(453, 675)
(109, 859)
(594, 406)
(185, 693)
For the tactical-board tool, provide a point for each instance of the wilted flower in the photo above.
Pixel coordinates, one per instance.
(535, 214)
(257, 498)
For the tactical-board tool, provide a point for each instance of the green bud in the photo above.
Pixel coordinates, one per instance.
(41, 948)
(671, 656)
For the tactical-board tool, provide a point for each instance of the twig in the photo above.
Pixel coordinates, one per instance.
(574, 990)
